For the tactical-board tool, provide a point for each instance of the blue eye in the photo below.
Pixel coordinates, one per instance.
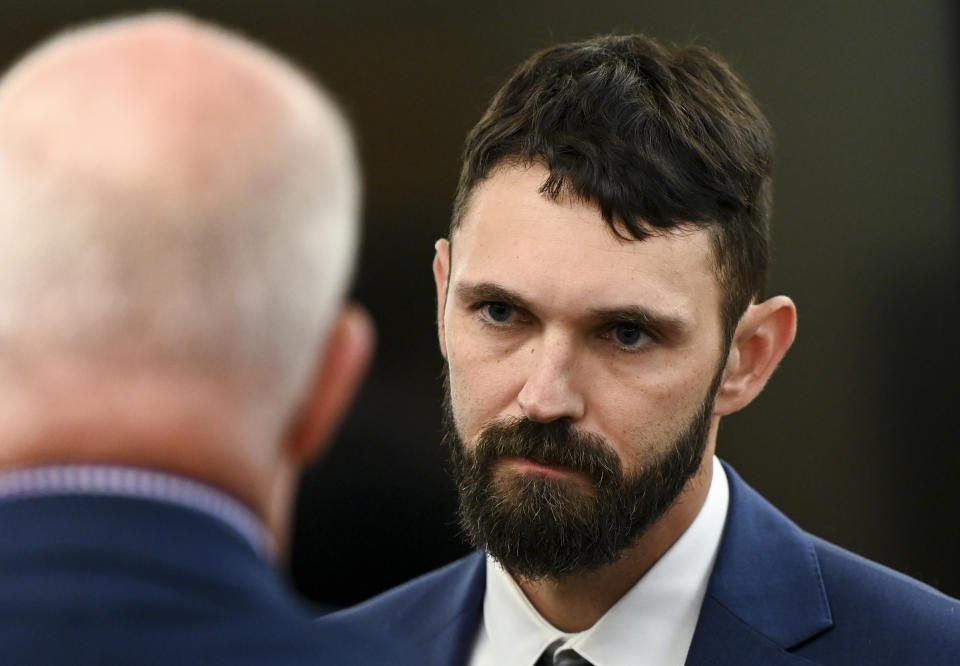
(628, 335)
(499, 312)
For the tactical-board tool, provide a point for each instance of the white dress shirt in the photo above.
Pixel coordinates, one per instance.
(653, 623)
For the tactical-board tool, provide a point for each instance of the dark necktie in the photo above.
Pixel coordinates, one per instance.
(561, 658)
(569, 658)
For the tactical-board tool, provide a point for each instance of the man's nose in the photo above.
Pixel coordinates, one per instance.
(550, 392)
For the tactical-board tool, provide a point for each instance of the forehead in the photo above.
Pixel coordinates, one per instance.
(562, 254)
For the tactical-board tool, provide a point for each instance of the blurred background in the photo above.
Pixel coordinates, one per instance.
(857, 436)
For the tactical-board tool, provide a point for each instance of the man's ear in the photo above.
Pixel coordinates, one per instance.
(761, 340)
(441, 277)
(341, 368)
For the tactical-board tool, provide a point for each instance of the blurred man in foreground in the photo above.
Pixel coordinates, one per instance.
(178, 218)
(601, 307)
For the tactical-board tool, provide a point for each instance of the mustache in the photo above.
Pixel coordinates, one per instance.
(555, 443)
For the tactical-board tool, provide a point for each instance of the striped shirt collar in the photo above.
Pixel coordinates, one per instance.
(138, 483)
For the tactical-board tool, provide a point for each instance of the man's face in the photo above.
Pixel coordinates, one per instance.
(548, 318)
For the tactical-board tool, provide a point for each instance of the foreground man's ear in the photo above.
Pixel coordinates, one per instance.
(441, 277)
(762, 338)
(343, 365)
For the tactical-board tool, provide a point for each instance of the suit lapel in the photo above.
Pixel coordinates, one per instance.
(723, 639)
(448, 633)
(434, 620)
(766, 593)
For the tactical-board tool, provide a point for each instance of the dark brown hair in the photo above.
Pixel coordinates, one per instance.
(658, 137)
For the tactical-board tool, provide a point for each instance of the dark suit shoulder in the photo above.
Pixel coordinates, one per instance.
(411, 600)
(429, 621)
(895, 608)
(776, 584)
(121, 580)
(881, 616)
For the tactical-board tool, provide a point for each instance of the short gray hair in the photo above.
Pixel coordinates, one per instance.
(239, 275)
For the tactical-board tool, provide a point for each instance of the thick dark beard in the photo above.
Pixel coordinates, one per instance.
(538, 527)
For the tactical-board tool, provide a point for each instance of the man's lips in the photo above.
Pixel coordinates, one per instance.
(529, 466)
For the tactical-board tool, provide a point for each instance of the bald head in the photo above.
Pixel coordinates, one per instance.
(178, 218)
(172, 198)
(165, 106)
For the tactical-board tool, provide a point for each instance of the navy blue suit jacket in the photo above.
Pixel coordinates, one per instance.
(87, 580)
(777, 597)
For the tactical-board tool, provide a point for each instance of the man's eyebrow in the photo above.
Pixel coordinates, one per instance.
(488, 291)
(659, 322)
(667, 325)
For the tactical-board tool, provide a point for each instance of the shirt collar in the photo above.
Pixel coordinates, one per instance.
(137, 483)
(653, 623)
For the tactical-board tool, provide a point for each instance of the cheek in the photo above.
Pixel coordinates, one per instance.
(478, 390)
(644, 421)
(485, 378)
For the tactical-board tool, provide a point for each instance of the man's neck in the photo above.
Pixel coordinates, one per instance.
(575, 603)
(183, 430)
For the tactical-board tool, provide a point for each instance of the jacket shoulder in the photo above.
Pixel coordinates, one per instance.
(881, 616)
(819, 601)
(888, 602)
(437, 596)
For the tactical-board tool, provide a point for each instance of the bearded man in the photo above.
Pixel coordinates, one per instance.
(600, 308)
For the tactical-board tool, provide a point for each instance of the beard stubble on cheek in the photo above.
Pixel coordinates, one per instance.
(537, 526)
